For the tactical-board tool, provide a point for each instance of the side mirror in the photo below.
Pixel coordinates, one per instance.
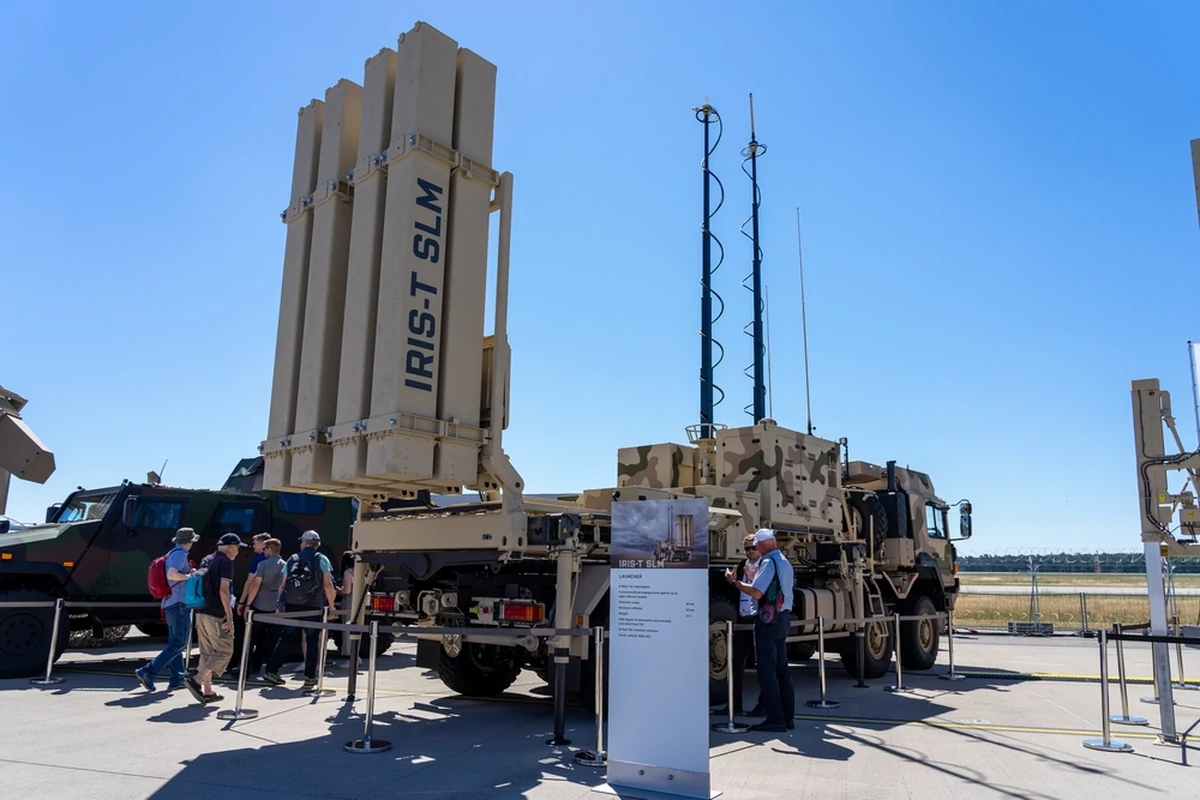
(52, 512)
(964, 520)
(3, 526)
(129, 512)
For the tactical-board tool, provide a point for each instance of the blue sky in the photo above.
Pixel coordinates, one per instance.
(1000, 231)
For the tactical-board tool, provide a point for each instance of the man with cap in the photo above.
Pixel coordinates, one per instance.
(307, 586)
(214, 620)
(773, 590)
(176, 614)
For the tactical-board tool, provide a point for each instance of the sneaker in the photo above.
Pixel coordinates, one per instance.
(145, 678)
(309, 684)
(174, 687)
(273, 678)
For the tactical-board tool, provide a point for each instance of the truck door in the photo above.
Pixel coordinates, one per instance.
(243, 517)
(155, 520)
(937, 536)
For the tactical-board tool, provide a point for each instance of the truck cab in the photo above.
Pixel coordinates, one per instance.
(97, 544)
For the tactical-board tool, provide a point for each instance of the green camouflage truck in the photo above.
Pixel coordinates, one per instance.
(96, 547)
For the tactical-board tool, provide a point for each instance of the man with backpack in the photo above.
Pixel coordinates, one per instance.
(166, 578)
(307, 586)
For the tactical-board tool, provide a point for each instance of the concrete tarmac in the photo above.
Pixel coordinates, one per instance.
(1011, 731)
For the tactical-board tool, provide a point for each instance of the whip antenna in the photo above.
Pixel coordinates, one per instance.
(750, 154)
(708, 115)
(803, 323)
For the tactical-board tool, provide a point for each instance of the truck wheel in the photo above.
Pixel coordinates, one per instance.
(478, 670)
(868, 507)
(799, 652)
(919, 641)
(720, 611)
(25, 634)
(877, 646)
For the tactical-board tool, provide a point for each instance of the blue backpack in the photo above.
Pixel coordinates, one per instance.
(193, 589)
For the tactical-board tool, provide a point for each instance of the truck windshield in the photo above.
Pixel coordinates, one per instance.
(85, 506)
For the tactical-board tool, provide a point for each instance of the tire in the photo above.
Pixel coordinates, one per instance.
(799, 652)
(720, 611)
(25, 634)
(877, 646)
(868, 507)
(155, 630)
(478, 670)
(919, 641)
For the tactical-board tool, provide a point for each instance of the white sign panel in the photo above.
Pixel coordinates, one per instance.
(658, 679)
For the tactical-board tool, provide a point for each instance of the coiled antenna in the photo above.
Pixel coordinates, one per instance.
(708, 115)
(758, 408)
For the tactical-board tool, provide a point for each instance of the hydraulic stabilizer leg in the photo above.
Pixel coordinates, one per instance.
(564, 584)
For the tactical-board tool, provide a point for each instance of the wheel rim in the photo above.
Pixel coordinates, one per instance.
(925, 635)
(877, 643)
(21, 633)
(718, 651)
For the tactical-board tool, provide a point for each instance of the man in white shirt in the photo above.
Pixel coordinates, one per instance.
(773, 589)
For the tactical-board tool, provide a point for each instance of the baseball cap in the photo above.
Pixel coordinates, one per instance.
(186, 535)
(310, 536)
(230, 538)
(763, 534)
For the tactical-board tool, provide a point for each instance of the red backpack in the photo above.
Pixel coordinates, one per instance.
(156, 578)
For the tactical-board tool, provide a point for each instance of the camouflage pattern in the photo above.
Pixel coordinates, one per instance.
(87, 553)
(921, 496)
(657, 466)
(796, 476)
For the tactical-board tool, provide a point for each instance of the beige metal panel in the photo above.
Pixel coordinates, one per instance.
(362, 276)
(5, 479)
(466, 264)
(22, 452)
(316, 396)
(412, 264)
(483, 531)
(282, 419)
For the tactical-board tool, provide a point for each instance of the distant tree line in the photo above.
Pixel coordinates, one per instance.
(1068, 562)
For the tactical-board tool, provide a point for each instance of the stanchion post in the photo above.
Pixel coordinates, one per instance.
(899, 687)
(1083, 620)
(597, 757)
(861, 632)
(1107, 743)
(50, 680)
(367, 744)
(729, 726)
(1123, 718)
(1182, 684)
(822, 703)
(321, 691)
(951, 675)
(187, 653)
(238, 712)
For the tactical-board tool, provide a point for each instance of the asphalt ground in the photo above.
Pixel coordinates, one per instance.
(1013, 729)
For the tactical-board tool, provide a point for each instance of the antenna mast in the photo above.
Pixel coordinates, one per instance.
(708, 116)
(803, 323)
(751, 154)
(770, 382)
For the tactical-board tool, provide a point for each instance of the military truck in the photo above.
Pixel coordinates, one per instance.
(387, 388)
(98, 543)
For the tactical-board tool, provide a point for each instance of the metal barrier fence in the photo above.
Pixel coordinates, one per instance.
(1061, 611)
(1120, 636)
(821, 624)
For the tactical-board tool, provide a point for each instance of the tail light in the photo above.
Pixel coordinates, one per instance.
(383, 603)
(520, 612)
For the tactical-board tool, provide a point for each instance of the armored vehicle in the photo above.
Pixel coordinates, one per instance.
(387, 388)
(97, 544)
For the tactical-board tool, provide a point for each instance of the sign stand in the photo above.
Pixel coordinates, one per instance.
(659, 612)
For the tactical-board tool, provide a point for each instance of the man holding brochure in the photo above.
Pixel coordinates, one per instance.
(773, 589)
